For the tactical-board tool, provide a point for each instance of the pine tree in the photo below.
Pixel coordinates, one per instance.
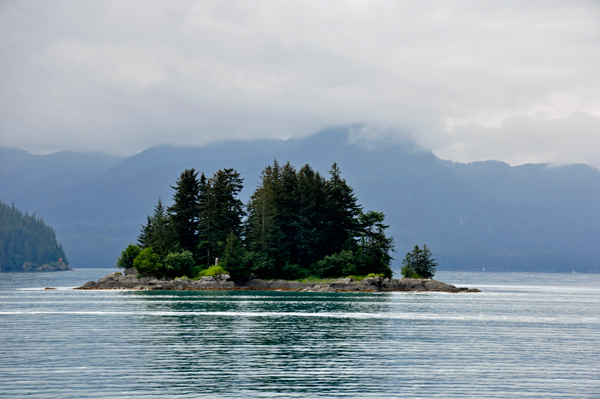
(221, 212)
(426, 266)
(375, 246)
(158, 232)
(286, 203)
(184, 213)
(418, 263)
(343, 212)
(261, 231)
(233, 259)
(312, 217)
(226, 186)
(206, 222)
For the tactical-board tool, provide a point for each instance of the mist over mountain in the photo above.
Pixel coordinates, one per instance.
(482, 214)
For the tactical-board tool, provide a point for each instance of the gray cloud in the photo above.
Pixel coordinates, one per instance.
(472, 80)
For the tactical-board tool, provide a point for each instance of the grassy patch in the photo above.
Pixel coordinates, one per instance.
(211, 271)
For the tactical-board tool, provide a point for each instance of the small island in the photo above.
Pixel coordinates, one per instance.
(299, 232)
(118, 280)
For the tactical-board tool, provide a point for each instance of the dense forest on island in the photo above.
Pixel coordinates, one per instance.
(27, 243)
(297, 224)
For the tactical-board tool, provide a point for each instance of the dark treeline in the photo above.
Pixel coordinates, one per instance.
(297, 224)
(26, 242)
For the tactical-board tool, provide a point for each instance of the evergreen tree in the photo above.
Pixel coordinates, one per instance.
(234, 258)
(206, 222)
(418, 263)
(286, 205)
(375, 247)
(158, 233)
(312, 217)
(226, 186)
(426, 266)
(261, 226)
(221, 212)
(184, 213)
(343, 212)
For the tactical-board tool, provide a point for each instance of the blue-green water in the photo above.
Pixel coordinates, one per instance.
(526, 335)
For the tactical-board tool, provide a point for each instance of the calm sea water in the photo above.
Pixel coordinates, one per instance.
(525, 336)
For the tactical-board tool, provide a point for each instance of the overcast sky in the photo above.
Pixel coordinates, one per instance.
(517, 81)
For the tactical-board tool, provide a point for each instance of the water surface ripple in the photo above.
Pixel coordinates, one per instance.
(525, 336)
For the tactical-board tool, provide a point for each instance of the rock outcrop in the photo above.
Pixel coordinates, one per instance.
(58, 266)
(224, 282)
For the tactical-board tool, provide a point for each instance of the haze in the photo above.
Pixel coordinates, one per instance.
(514, 80)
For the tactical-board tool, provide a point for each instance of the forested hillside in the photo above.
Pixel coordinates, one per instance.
(27, 244)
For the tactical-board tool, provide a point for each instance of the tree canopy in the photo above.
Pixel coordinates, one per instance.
(297, 223)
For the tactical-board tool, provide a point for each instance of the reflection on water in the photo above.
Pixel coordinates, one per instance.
(266, 342)
(521, 337)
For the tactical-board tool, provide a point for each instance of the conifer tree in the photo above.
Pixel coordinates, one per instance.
(184, 212)
(206, 222)
(261, 224)
(418, 263)
(233, 259)
(221, 212)
(286, 204)
(343, 211)
(375, 246)
(158, 233)
(312, 217)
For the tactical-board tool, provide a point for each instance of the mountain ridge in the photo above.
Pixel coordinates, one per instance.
(467, 213)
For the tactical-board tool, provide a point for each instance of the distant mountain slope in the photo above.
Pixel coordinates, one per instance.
(22, 174)
(559, 205)
(509, 218)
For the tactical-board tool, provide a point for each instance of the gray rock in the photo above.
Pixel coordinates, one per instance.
(89, 285)
(224, 281)
(322, 288)
(256, 284)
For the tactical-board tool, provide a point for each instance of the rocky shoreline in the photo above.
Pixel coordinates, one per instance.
(117, 281)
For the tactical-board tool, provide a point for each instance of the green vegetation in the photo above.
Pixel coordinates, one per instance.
(125, 261)
(26, 243)
(212, 271)
(297, 224)
(418, 263)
